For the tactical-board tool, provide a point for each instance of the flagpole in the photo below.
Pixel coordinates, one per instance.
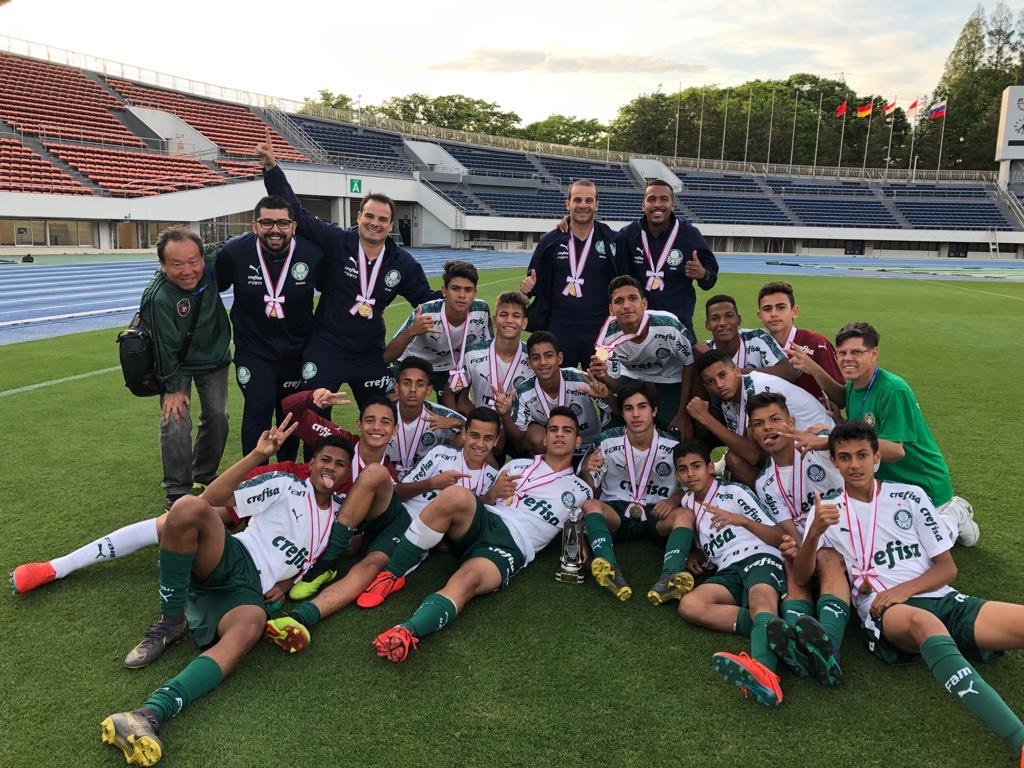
(725, 124)
(842, 134)
(700, 128)
(679, 96)
(888, 149)
(942, 135)
(771, 123)
(817, 133)
(867, 140)
(750, 108)
(792, 141)
(913, 133)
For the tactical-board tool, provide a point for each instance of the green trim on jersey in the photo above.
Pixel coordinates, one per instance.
(264, 476)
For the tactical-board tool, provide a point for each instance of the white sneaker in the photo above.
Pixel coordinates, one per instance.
(961, 517)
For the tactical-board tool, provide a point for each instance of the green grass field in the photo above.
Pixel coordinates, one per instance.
(544, 674)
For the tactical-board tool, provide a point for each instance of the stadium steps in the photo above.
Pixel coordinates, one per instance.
(542, 171)
(293, 133)
(478, 201)
(779, 201)
(34, 143)
(890, 205)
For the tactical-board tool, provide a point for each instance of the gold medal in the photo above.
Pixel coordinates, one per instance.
(635, 511)
(572, 289)
(365, 310)
(655, 283)
(601, 353)
(509, 501)
(865, 587)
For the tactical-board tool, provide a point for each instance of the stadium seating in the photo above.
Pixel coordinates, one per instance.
(22, 170)
(726, 182)
(240, 168)
(461, 200)
(932, 190)
(352, 143)
(841, 213)
(59, 102)
(492, 162)
(953, 214)
(814, 187)
(232, 127)
(565, 170)
(136, 173)
(546, 204)
(735, 209)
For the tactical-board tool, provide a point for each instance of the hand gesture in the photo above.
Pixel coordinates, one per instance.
(594, 462)
(504, 485)
(265, 152)
(595, 387)
(437, 422)
(421, 323)
(529, 282)
(698, 408)
(324, 398)
(683, 425)
(700, 349)
(721, 518)
(271, 439)
(502, 403)
(449, 477)
(789, 547)
(694, 269)
(803, 440)
(825, 516)
(698, 564)
(598, 368)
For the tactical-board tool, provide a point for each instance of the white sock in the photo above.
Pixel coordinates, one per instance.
(117, 544)
(422, 536)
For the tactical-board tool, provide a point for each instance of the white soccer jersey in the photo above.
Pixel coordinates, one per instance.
(441, 459)
(757, 349)
(788, 492)
(729, 544)
(542, 505)
(802, 406)
(887, 541)
(658, 358)
(287, 530)
(531, 404)
(482, 365)
(613, 479)
(412, 441)
(435, 346)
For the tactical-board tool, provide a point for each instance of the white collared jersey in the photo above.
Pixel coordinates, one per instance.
(613, 478)
(433, 346)
(538, 516)
(287, 530)
(659, 358)
(591, 413)
(478, 366)
(428, 437)
(814, 471)
(802, 406)
(441, 459)
(730, 544)
(907, 535)
(757, 349)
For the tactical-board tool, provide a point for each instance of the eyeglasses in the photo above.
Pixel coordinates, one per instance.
(854, 353)
(271, 223)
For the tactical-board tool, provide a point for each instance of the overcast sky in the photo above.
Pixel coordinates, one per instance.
(533, 58)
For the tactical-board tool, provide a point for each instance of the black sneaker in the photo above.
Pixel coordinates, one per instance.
(171, 499)
(158, 635)
(134, 733)
(782, 640)
(824, 656)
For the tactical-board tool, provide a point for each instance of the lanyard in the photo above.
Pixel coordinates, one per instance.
(701, 508)
(863, 571)
(476, 486)
(639, 484)
(317, 544)
(528, 483)
(796, 488)
(864, 397)
(367, 285)
(501, 383)
(542, 398)
(407, 447)
(457, 375)
(656, 273)
(273, 301)
(574, 282)
(609, 345)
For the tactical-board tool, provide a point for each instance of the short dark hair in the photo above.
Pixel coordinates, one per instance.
(691, 445)
(542, 337)
(638, 386)
(564, 410)
(335, 441)
(176, 234)
(418, 363)
(457, 268)
(623, 281)
(582, 183)
(845, 431)
(720, 298)
(764, 399)
(484, 414)
(657, 183)
(776, 286)
(859, 330)
(384, 400)
(512, 297)
(378, 197)
(711, 357)
(272, 202)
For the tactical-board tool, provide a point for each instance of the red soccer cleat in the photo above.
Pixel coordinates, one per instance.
(395, 644)
(383, 585)
(750, 675)
(27, 577)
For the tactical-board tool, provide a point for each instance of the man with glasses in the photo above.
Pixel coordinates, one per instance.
(273, 274)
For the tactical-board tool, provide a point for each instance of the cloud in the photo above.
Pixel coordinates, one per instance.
(521, 60)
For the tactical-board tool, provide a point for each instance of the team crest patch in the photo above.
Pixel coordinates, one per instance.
(576, 408)
(663, 469)
(308, 371)
(568, 500)
(599, 247)
(903, 519)
(612, 246)
(518, 380)
(428, 439)
(816, 473)
(392, 278)
(243, 374)
(300, 270)
(675, 258)
(869, 419)
(183, 307)
(470, 338)
(662, 353)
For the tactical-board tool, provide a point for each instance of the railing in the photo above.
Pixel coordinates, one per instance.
(1012, 203)
(294, 133)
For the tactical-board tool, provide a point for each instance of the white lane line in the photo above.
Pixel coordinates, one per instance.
(54, 382)
(949, 284)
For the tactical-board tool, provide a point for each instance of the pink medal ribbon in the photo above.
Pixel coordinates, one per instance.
(574, 281)
(701, 508)
(358, 464)
(638, 484)
(273, 301)
(317, 543)
(656, 273)
(457, 377)
(501, 383)
(364, 299)
(795, 495)
(542, 398)
(862, 572)
(528, 483)
(476, 486)
(407, 447)
(610, 344)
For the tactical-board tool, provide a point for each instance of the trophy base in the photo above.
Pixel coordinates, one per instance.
(569, 577)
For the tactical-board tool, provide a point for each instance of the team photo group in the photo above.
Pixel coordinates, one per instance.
(791, 480)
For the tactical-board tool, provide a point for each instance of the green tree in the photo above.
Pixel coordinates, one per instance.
(645, 125)
(329, 99)
(574, 131)
(453, 111)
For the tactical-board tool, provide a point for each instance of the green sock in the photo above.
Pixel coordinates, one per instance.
(958, 677)
(759, 640)
(306, 614)
(200, 677)
(676, 549)
(791, 610)
(336, 544)
(833, 615)
(744, 624)
(599, 536)
(175, 576)
(405, 556)
(433, 615)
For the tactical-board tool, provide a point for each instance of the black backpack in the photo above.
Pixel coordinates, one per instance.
(135, 348)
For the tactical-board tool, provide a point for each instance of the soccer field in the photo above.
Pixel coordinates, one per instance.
(543, 674)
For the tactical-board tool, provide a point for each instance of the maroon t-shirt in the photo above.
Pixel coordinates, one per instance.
(824, 354)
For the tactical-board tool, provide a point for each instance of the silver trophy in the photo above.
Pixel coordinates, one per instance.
(570, 562)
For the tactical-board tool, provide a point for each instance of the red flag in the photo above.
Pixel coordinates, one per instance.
(912, 109)
(889, 108)
(841, 109)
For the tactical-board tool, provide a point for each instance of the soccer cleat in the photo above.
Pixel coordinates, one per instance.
(395, 644)
(171, 499)
(671, 586)
(133, 734)
(28, 576)
(783, 642)
(816, 644)
(750, 676)
(383, 585)
(608, 576)
(307, 589)
(961, 516)
(158, 635)
(287, 633)
(197, 489)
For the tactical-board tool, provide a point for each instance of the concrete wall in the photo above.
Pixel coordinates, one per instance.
(170, 127)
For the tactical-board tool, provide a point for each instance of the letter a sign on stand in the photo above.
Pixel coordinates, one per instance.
(355, 186)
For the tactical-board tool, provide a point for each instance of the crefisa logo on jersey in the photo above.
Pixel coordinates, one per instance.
(392, 278)
(903, 519)
(816, 473)
(184, 306)
(568, 500)
(663, 469)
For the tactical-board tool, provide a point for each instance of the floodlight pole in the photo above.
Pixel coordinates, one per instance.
(817, 133)
(679, 96)
(888, 149)
(746, 139)
(942, 136)
(725, 124)
(700, 127)
(792, 140)
(867, 140)
(771, 123)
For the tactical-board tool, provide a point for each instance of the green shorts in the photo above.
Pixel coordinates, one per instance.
(956, 611)
(234, 582)
(631, 529)
(760, 568)
(383, 532)
(488, 537)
